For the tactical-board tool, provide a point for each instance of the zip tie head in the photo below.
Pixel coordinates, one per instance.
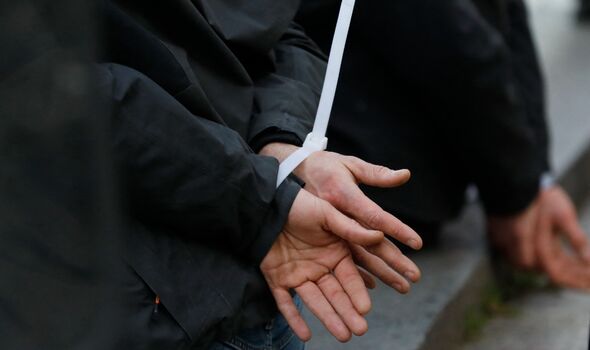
(314, 143)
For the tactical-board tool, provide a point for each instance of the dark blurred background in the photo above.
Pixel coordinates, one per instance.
(57, 209)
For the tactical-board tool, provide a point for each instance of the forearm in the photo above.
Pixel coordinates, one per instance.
(191, 175)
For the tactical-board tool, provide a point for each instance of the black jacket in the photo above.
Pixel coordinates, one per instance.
(199, 87)
(449, 89)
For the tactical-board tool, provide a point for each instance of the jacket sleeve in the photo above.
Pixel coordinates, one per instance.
(189, 174)
(528, 74)
(286, 99)
(452, 55)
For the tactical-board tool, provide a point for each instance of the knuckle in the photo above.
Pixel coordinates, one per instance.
(373, 218)
(336, 295)
(329, 196)
(379, 170)
(352, 160)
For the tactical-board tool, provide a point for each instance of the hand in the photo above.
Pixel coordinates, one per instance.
(533, 239)
(558, 222)
(515, 235)
(335, 178)
(312, 257)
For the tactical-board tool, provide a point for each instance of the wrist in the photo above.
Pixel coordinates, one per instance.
(278, 150)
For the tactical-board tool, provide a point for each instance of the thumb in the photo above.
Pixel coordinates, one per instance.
(575, 235)
(376, 175)
(347, 228)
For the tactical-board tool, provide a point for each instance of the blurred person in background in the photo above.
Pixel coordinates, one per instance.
(454, 91)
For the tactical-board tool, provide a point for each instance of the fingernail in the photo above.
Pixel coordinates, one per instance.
(397, 287)
(414, 243)
(409, 275)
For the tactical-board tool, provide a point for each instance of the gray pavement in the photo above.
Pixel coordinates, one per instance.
(564, 47)
(547, 320)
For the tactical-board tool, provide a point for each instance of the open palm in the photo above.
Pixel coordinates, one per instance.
(312, 257)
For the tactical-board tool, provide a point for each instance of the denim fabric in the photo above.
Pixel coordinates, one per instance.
(274, 335)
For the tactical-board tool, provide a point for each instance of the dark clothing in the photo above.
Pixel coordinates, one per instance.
(274, 334)
(451, 90)
(216, 80)
(584, 10)
(193, 240)
(254, 71)
(58, 222)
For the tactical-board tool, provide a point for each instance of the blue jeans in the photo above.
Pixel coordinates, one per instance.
(274, 335)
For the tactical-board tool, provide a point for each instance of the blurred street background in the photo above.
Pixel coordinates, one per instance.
(542, 320)
(438, 314)
(552, 319)
(564, 47)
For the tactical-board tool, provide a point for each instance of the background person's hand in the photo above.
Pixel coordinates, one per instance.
(312, 257)
(546, 237)
(562, 246)
(514, 236)
(335, 178)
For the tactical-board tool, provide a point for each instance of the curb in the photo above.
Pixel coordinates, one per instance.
(445, 332)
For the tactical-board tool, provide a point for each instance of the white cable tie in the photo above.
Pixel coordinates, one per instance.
(333, 70)
(316, 140)
(310, 146)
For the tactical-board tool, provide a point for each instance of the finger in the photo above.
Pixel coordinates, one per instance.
(289, 311)
(367, 278)
(351, 279)
(334, 293)
(380, 269)
(321, 308)
(522, 251)
(395, 259)
(548, 248)
(375, 175)
(561, 268)
(368, 213)
(572, 275)
(568, 272)
(576, 236)
(579, 277)
(347, 228)
(523, 257)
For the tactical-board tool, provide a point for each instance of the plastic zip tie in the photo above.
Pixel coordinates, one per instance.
(316, 140)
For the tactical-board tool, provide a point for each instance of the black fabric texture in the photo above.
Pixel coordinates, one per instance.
(451, 90)
(196, 88)
(218, 193)
(224, 61)
(204, 207)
